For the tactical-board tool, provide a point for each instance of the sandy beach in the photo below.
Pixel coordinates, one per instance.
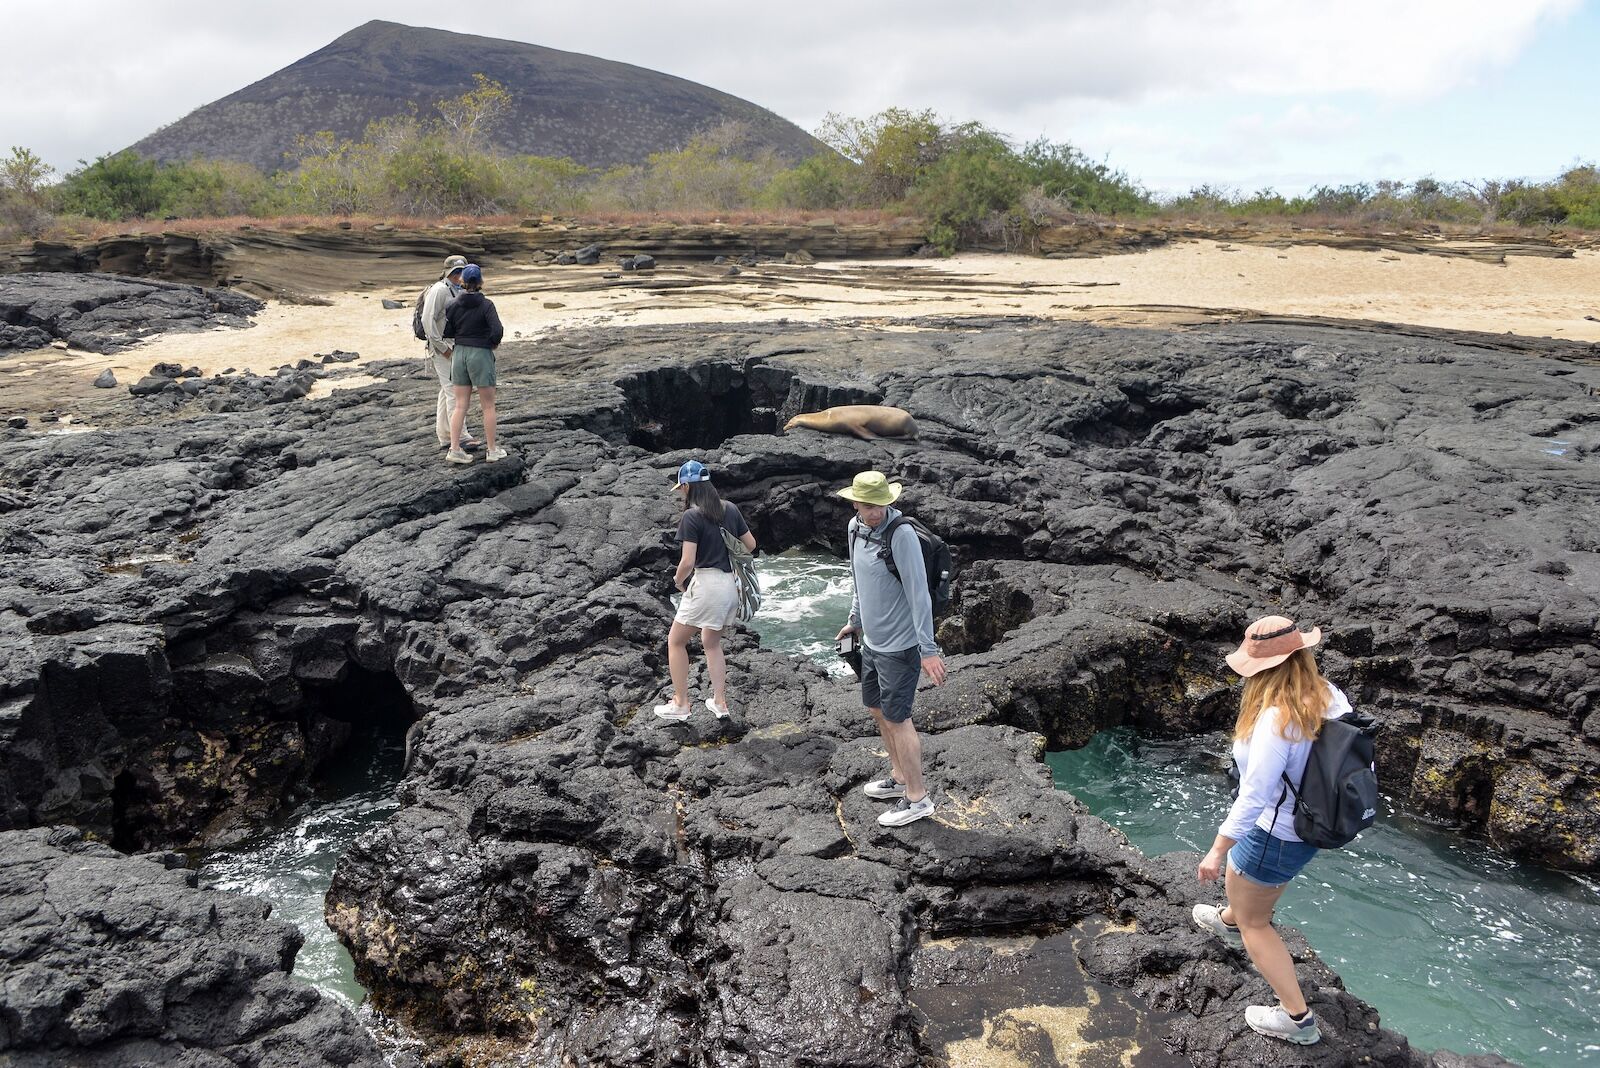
(1531, 296)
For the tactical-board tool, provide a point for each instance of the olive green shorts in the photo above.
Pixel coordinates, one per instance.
(472, 366)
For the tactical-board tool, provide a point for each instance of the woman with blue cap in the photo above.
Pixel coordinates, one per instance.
(710, 594)
(473, 326)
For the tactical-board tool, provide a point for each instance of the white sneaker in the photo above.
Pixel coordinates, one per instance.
(456, 456)
(716, 709)
(1275, 1023)
(496, 453)
(1209, 918)
(884, 789)
(905, 812)
(674, 712)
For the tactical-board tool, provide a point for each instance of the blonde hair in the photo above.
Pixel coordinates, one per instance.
(1296, 689)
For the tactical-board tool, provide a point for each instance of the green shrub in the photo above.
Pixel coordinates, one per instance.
(331, 177)
(969, 185)
(826, 180)
(544, 184)
(1062, 173)
(215, 189)
(120, 186)
(430, 174)
(706, 174)
(893, 148)
(24, 211)
(1578, 193)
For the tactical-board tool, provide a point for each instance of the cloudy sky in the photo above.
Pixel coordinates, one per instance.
(1240, 93)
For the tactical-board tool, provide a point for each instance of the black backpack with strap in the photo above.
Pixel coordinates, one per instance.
(1338, 795)
(937, 562)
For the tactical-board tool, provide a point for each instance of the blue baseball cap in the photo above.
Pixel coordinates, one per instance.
(693, 471)
(471, 273)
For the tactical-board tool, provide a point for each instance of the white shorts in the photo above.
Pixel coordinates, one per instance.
(712, 599)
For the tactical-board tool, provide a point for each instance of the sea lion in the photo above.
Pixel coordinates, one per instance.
(865, 421)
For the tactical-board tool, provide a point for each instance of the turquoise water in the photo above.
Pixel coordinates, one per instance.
(1459, 947)
(291, 863)
(805, 600)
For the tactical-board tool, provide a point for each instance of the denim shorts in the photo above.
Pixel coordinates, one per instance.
(889, 681)
(1269, 861)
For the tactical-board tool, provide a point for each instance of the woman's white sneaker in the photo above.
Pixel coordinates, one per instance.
(716, 710)
(456, 456)
(496, 453)
(884, 789)
(1273, 1022)
(674, 712)
(1209, 918)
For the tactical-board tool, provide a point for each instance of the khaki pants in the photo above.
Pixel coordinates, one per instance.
(447, 401)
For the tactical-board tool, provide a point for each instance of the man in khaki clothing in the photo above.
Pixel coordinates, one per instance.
(440, 348)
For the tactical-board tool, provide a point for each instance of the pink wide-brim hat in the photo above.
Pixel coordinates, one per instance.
(1268, 642)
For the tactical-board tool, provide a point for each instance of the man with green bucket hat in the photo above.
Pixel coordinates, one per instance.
(893, 617)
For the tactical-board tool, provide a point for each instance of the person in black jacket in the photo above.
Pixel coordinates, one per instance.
(475, 327)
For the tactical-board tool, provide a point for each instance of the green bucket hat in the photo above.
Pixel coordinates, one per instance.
(871, 487)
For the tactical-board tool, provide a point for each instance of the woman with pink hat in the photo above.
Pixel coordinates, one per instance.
(1280, 714)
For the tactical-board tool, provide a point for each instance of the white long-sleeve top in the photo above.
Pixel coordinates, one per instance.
(1263, 759)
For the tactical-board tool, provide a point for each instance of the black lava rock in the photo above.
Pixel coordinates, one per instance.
(151, 384)
(108, 313)
(117, 960)
(566, 877)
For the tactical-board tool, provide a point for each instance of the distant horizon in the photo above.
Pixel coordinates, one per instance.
(1280, 100)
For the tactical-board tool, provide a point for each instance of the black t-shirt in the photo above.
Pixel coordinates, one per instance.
(709, 551)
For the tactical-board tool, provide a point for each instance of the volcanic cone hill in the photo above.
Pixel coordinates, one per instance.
(596, 111)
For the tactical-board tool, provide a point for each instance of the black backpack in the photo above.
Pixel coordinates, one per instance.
(416, 315)
(1338, 795)
(936, 559)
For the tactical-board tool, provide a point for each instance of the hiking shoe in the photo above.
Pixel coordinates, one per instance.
(716, 710)
(905, 812)
(1209, 918)
(884, 789)
(676, 713)
(496, 453)
(1275, 1023)
(456, 456)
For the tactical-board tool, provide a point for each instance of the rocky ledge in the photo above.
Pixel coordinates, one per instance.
(297, 264)
(112, 961)
(198, 614)
(108, 313)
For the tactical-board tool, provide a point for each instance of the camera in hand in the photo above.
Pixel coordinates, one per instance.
(847, 645)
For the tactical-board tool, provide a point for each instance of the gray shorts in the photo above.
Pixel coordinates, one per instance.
(471, 366)
(889, 681)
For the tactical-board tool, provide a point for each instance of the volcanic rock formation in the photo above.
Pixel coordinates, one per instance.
(111, 961)
(195, 610)
(595, 111)
(106, 313)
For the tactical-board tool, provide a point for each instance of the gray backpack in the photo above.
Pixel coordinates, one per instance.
(416, 316)
(1338, 795)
